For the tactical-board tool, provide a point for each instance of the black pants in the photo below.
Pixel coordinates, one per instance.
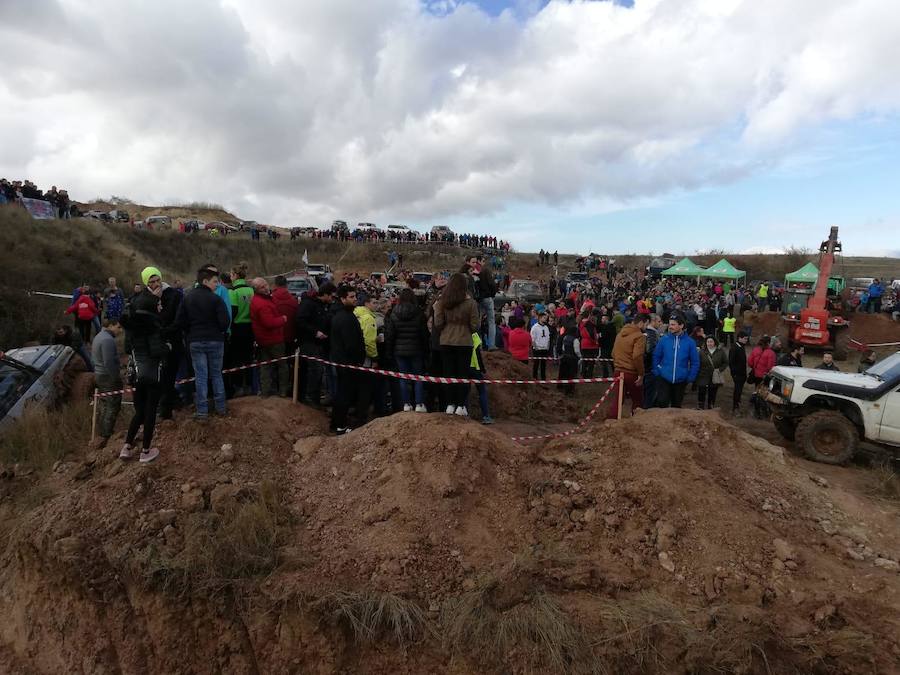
(539, 365)
(568, 369)
(669, 395)
(589, 357)
(738, 390)
(146, 399)
(311, 372)
(242, 354)
(706, 396)
(457, 361)
(347, 392)
(84, 330)
(168, 397)
(437, 391)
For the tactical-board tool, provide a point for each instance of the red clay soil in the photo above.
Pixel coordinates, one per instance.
(669, 542)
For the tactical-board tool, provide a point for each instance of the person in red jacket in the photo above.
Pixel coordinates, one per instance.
(762, 360)
(287, 306)
(590, 344)
(85, 309)
(519, 340)
(268, 331)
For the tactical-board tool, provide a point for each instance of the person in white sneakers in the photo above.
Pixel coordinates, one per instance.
(406, 343)
(540, 346)
(456, 315)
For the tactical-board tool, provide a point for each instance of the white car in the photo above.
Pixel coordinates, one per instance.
(827, 412)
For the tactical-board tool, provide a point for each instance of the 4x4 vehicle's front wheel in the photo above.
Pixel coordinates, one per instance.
(827, 436)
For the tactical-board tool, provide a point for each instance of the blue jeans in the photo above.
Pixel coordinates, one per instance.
(487, 307)
(415, 366)
(207, 357)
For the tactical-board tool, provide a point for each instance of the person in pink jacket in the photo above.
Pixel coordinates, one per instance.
(762, 358)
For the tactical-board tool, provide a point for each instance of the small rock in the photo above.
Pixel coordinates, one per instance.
(783, 550)
(166, 517)
(828, 527)
(192, 500)
(226, 454)
(223, 497)
(57, 464)
(576, 515)
(818, 480)
(665, 562)
(434, 608)
(468, 584)
(791, 565)
(334, 471)
(887, 564)
(824, 612)
(768, 505)
(572, 485)
(186, 487)
(612, 521)
(855, 555)
(589, 515)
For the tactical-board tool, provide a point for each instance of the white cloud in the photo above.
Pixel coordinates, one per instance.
(395, 109)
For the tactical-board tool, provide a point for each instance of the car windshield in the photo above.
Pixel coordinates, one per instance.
(14, 382)
(887, 369)
(298, 286)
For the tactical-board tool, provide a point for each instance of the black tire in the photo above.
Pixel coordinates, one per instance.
(827, 436)
(841, 337)
(786, 427)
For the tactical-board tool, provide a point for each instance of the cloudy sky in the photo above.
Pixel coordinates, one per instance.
(626, 125)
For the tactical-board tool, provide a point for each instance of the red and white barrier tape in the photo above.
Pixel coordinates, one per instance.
(454, 380)
(578, 427)
(557, 358)
(191, 379)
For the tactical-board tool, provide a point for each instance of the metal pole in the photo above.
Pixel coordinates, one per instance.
(621, 379)
(94, 416)
(296, 373)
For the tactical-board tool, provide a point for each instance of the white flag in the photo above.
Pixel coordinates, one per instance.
(305, 257)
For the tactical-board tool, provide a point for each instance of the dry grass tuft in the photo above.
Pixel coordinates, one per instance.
(886, 482)
(472, 625)
(371, 615)
(220, 550)
(42, 436)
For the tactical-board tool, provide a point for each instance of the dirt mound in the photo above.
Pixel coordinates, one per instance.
(669, 542)
(874, 328)
(539, 403)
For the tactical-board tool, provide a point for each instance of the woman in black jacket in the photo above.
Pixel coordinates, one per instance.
(406, 342)
(144, 342)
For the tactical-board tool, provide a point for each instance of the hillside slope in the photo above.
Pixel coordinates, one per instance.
(56, 256)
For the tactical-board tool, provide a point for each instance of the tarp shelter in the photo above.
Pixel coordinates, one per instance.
(808, 274)
(685, 268)
(723, 270)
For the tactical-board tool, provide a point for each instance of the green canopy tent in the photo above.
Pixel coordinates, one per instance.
(808, 274)
(685, 268)
(723, 270)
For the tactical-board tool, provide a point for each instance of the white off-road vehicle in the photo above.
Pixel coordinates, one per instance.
(827, 412)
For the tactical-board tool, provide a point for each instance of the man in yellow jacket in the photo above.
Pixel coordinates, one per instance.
(628, 360)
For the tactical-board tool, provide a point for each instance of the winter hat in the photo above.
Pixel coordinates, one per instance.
(149, 272)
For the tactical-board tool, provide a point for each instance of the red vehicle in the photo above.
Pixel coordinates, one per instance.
(816, 327)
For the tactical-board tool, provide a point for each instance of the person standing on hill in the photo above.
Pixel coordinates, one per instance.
(676, 363)
(729, 325)
(651, 332)
(590, 344)
(85, 309)
(313, 319)
(108, 379)
(519, 340)
(713, 362)
(170, 301)
(540, 345)
(113, 300)
(737, 365)
(268, 330)
(204, 320)
(241, 294)
(456, 317)
(406, 341)
(628, 360)
(487, 289)
(347, 347)
(143, 340)
(287, 306)
(876, 292)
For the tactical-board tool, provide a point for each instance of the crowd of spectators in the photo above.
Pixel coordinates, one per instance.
(376, 235)
(12, 192)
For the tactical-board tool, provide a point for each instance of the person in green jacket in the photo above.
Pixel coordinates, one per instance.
(241, 294)
(365, 315)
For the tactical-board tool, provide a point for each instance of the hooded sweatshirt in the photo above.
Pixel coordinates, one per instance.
(628, 351)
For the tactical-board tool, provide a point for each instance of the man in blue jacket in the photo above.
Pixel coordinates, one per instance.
(876, 291)
(676, 362)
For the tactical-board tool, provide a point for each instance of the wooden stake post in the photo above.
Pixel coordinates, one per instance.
(296, 374)
(621, 394)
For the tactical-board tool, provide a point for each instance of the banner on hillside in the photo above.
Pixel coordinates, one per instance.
(39, 209)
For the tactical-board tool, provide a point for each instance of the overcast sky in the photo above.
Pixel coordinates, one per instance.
(613, 126)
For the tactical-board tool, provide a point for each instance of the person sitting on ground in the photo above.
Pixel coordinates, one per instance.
(828, 363)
